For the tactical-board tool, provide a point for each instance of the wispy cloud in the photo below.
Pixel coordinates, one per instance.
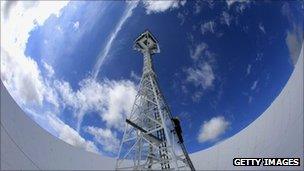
(202, 76)
(254, 85)
(105, 51)
(107, 138)
(208, 27)
(250, 99)
(262, 28)
(76, 25)
(226, 18)
(49, 69)
(198, 51)
(135, 76)
(182, 17)
(248, 70)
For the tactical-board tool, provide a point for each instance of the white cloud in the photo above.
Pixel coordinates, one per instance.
(197, 7)
(226, 18)
(24, 16)
(88, 97)
(248, 70)
(69, 135)
(113, 101)
(262, 28)
(250, 99)
(22, 77)
(6, 7)
(254, 85)
(76, 25)
(121, 96)
(208, 27)
(105, 51)
(49, 69)
(58, 27)
(231, 2)
(197, 52)
(19, 73)
(135, 76)
(153, 6)
(202, 75)
(51, 96)
(239, 5)
(211, 130)
(182, 17)
(259, 56)
(108, 98)
(106, 138)
(196, 97)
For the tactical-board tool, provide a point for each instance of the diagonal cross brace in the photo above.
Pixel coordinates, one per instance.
(155, 139)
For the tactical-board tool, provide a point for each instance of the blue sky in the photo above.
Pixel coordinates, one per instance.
(221, 64)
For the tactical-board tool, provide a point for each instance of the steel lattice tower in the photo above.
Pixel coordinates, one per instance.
(151, 138)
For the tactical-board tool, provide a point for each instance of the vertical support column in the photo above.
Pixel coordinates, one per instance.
(150, 156)
(164, 123)
(120, 148)
(139, 151)
(147, 63)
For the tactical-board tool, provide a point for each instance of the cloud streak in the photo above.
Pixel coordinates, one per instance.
(248, 70)
(198, 51)
(105, 51)
(254, 85)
